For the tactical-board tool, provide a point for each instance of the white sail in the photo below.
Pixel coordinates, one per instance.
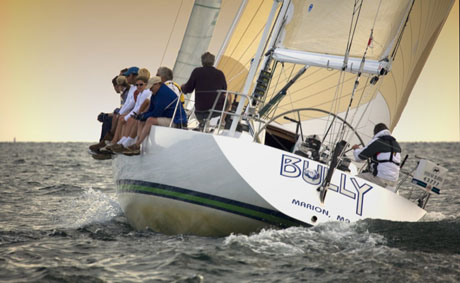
(322, 28)
(317, 88)
(196, 39)
(243, 42)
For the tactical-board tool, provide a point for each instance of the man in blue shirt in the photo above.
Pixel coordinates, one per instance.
(165, 109)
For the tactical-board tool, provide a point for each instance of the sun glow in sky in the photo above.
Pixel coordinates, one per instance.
(58, 58)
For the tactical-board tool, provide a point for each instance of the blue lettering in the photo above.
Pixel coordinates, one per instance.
(343, 219)
(343, 189)
(310, 207)
(361, 189)
(289, 167)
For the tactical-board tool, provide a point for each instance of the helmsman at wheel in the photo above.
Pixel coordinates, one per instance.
(385, 155)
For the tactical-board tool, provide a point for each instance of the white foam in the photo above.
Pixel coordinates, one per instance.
(434, 216)
(90, 207)
(299, 240)
(267, 242)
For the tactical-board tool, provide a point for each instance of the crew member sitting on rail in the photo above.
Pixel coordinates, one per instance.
(385, 154)
(141, 97)
(166, 75)
(109, 120)
(162, 111)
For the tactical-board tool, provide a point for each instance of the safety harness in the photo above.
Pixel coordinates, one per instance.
(391, 141)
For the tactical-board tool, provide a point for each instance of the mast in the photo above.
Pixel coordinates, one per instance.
(230, 32)
(255, 63)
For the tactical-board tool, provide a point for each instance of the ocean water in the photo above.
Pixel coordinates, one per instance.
(60, 221)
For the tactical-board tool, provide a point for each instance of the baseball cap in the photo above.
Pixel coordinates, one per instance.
(132, 70)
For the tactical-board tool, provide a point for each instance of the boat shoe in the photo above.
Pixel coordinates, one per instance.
(113, 147)
(118, 148)
(96, 147)
(132, 150)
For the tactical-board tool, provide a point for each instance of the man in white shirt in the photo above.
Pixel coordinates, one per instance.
(385, 154)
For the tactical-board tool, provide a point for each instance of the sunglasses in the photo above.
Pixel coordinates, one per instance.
(138, 85)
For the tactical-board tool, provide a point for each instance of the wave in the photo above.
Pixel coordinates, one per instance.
(327, 237)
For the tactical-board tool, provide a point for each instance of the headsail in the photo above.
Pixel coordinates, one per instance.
(197, 36)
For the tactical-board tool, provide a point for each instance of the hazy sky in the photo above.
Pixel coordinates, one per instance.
(57, 59)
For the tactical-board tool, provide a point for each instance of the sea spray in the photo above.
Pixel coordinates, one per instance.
(91, 206)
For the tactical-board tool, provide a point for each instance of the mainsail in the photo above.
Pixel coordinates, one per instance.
(330, 29)
(196, 39)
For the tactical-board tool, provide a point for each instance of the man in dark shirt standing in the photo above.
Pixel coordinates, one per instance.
(206, 81)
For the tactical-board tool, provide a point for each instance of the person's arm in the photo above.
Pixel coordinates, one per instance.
(367, 152)
(144, 106)
(140, 100)
(189, 86)
(160, 106)
(129, 103)
(224, 81)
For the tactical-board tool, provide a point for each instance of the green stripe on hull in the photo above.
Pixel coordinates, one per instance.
(212, 203)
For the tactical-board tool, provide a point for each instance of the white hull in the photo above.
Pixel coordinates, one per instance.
(187, 182)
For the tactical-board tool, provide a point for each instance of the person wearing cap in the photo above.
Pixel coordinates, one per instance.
(385, 154)
(141, 98)
(164, 109)
(109, 120)
(206, 81)
(131, 77)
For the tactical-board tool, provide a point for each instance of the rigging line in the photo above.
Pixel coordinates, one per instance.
(369, 103)
(289, 94)
(337, 87)
(170, 34)
(247, 27)
(345, 63)
(398, 42)
(360, 99)
(277, 81)
(336, 104)
(350, 40)
(244, 53)
(321, 92)
(360, 72)
(237, 74)
(359, 103)
(275, 107)
(303, 78)
(263, 27)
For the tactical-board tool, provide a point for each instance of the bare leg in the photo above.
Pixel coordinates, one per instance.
(146, 130)
(114, 123)
(127, 128)
(140, 126)
(118, 131)
(133, 132)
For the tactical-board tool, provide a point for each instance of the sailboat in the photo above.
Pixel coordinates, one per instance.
(307, 76)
